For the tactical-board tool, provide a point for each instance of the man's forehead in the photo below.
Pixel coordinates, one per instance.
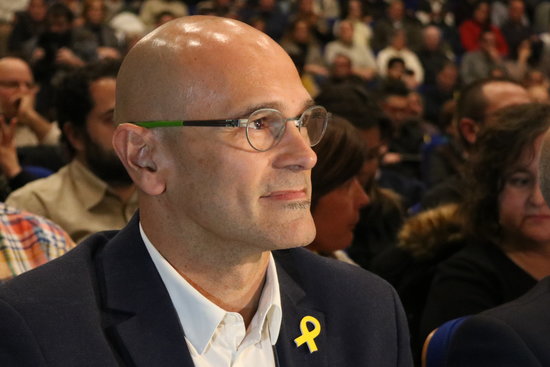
(201, 66)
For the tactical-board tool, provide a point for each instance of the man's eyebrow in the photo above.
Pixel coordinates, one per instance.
(273, 105)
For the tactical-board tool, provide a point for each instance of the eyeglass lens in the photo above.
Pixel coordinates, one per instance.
(267, 126)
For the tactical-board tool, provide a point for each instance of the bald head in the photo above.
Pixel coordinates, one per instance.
(12, 62)
(15, 80)
(184, 68)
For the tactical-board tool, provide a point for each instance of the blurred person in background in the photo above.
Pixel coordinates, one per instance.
(27, 24)
(56, 51)
(396, 19)
(94, 13)
(17, 101)
(361, 56)
(337, 193)
(470, 30)
(26, 240)
(398, 47)
(93, 191)
(506, 221)
(151, 8)
(306, 53)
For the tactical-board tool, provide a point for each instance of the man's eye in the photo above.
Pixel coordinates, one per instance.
(259, 124)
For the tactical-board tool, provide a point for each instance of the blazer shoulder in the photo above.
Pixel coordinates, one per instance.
(71, 273)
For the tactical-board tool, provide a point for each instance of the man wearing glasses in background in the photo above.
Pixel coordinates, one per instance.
(215, 131)
(17, 101)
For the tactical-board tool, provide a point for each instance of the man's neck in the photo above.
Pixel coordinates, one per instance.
(222, 271)
(235, 288)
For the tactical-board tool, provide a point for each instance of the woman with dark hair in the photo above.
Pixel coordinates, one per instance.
(337, 193)
(506, 221)
(472, 28)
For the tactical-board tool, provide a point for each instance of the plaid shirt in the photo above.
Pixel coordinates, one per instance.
(27, 240)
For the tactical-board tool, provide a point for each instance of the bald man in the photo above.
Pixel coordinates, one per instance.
(17, 100)
(216, 132)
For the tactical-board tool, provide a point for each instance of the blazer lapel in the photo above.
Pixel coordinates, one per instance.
(295, 308)
(138, 315)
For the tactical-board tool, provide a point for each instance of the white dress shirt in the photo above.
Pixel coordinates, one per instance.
(218, 338)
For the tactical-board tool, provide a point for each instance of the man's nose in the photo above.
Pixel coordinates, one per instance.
(294, 150)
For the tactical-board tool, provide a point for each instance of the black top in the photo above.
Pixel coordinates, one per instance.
(473, 280)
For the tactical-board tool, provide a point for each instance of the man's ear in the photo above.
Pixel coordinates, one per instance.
(135, 146)
(74, 136)
(468, 128)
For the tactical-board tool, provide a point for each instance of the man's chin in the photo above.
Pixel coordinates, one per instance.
(299, 234)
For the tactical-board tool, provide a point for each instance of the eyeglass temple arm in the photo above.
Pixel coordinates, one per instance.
(165, 123)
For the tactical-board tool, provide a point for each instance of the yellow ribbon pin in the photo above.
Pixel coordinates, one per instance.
(308, 335)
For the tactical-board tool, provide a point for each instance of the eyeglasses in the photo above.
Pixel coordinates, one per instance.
(264, 127)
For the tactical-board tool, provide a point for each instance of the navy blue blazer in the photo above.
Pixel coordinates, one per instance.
(514, 334)
(104, 304)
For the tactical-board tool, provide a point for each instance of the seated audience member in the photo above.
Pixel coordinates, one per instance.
(362, 59)
(337, 193)
(483, 62)
(389, 195)
(57, 50)
(513, 334)
(341, 73)
(27, 241)
(442, 155)
(443, 90)
(507, 221)
(470, 30)
(380, 220)
(522, 59)
(315, 16)
(362, 32)
(17, 101)
(433, 54)
(130, 26)
(109, 46)
(476, 102)
(13, 174)
(515, 29)
(306, 53)
(408, 132)
(271, 13)
(398, 48)
(93, 192)
(395, 19)
(208, 272)
(150, 8)
(27, 24)
(397, 71)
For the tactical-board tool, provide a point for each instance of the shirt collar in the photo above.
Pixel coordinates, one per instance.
(199, 317)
